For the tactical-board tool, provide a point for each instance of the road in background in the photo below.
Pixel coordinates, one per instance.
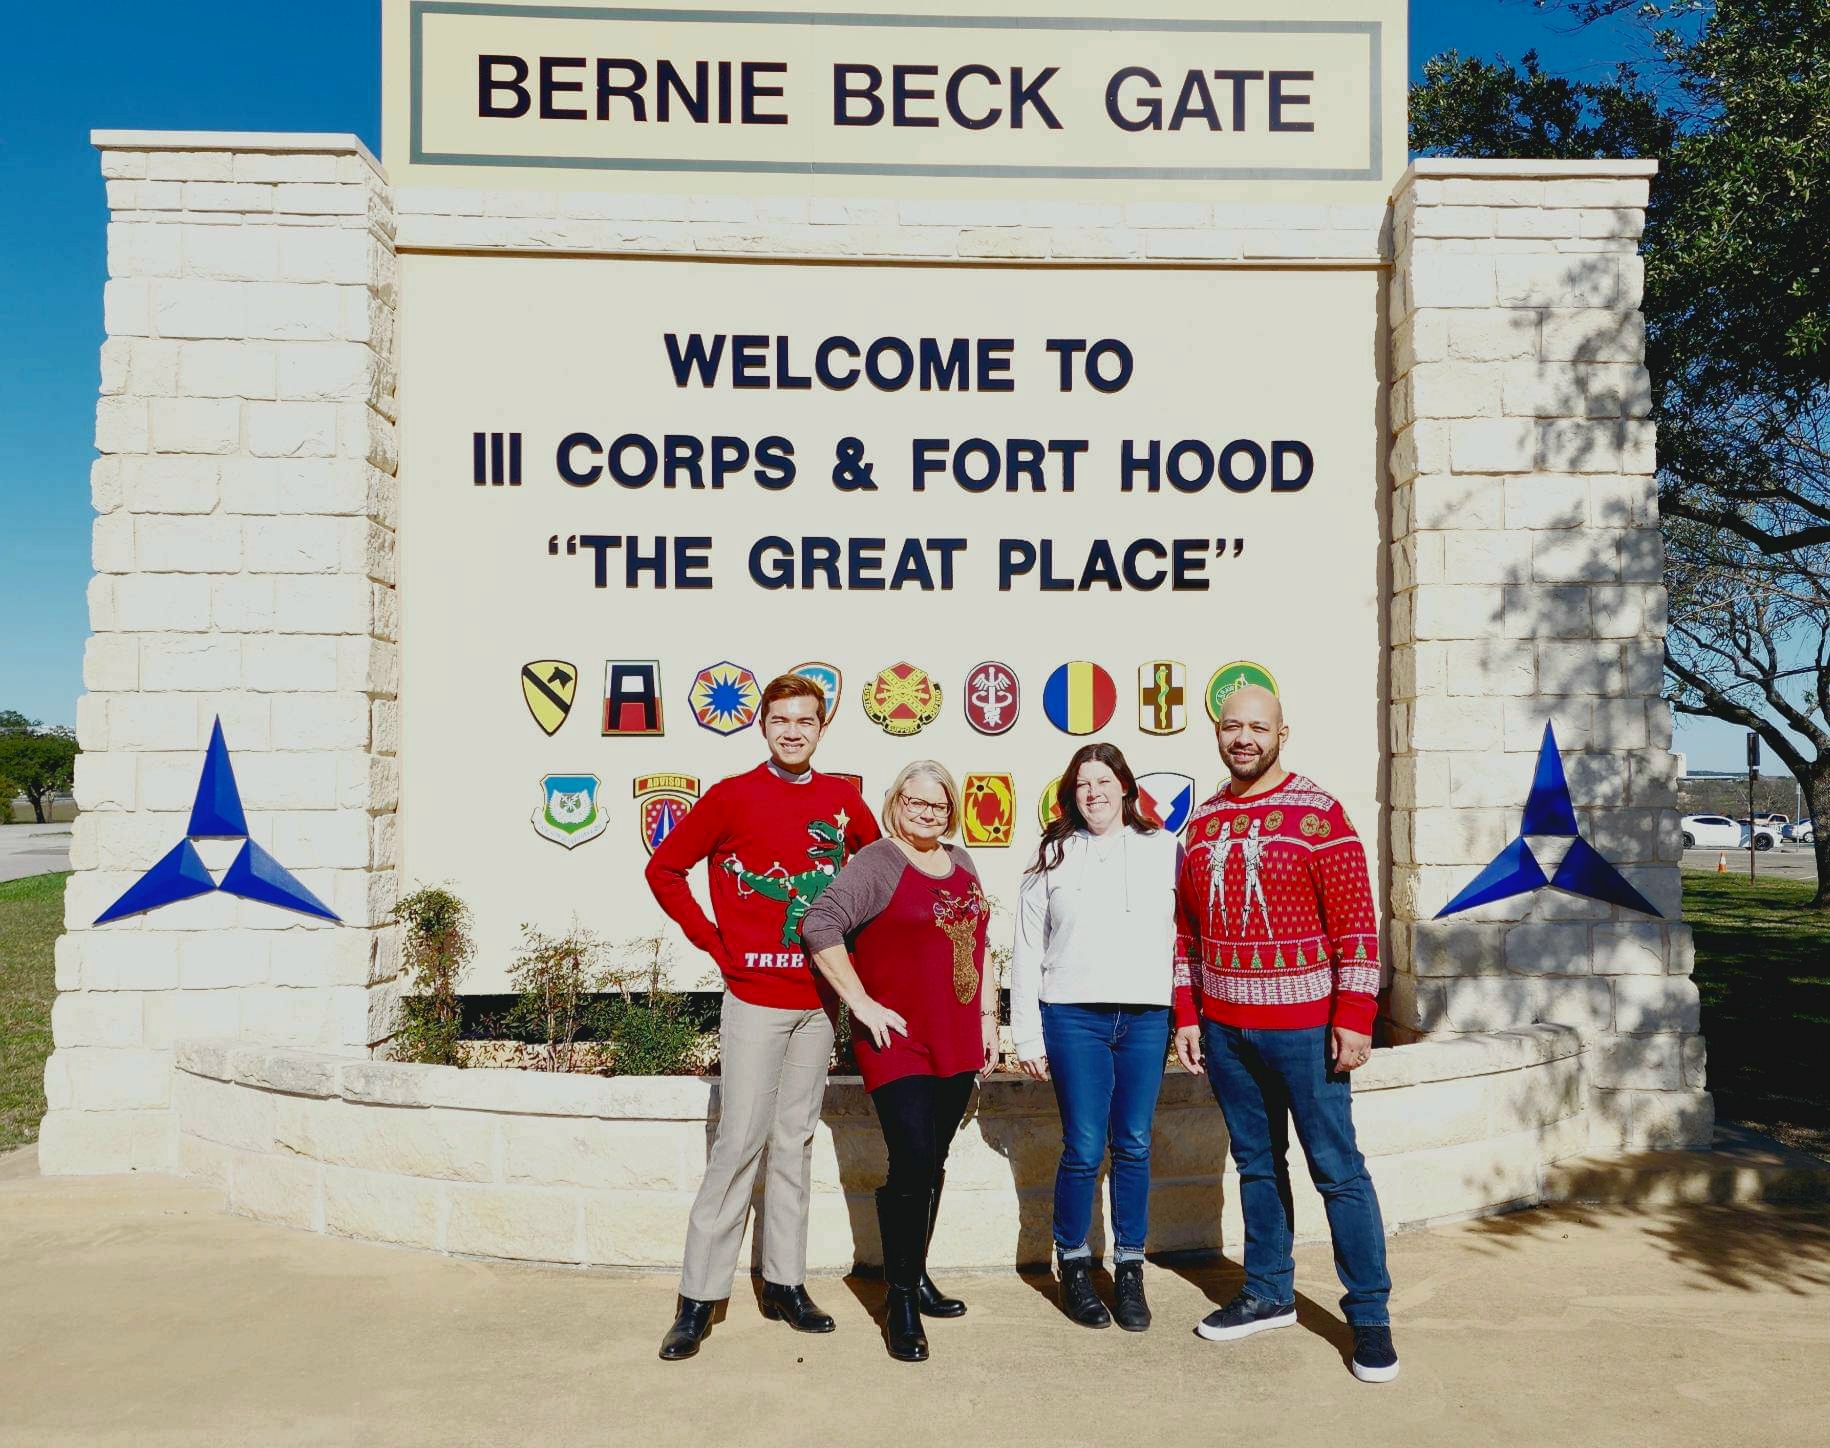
(33, 850)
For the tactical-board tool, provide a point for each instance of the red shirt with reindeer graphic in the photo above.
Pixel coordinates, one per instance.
(771, 845)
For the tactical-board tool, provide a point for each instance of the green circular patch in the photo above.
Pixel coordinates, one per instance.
(1236, 675)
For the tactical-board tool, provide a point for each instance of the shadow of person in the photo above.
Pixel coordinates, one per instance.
(1219, 1278)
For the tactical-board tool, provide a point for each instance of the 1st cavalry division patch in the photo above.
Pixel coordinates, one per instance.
(549, 686)
(665, 800)
(989, 805)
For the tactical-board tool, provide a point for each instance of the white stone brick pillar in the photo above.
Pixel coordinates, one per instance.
(244, 558)
(1527, 585)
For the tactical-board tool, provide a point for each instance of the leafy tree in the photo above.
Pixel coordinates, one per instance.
(1733, 100)
(38, 761)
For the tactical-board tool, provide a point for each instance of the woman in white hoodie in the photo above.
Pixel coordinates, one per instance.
(1090, 992)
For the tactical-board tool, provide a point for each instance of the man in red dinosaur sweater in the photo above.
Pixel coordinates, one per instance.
(774, 838)
(1277, 981)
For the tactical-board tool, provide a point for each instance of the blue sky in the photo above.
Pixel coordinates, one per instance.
(210, 65)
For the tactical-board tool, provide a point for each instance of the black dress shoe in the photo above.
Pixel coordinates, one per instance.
(793, 1306)
(692, 1323)
(1129, 1308)
(1078, 1299)
(902, 1333)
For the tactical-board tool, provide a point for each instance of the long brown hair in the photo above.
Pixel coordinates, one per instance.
(1055, 833)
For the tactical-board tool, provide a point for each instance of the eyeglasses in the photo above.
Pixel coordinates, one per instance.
(925, 806)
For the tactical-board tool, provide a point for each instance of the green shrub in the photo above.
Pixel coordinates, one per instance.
(436, 949)
(654, 1035)
(554, 979)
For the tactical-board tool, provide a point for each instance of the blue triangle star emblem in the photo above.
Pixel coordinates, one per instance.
(216, 814)
(1549, 814)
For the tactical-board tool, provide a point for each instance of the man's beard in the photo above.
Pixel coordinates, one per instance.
(1254, 769)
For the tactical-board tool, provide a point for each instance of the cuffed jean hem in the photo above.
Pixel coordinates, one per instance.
(1068, 1254)
(1128, 1254)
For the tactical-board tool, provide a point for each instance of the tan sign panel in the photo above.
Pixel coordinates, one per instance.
(1179, 99)
(902, 472)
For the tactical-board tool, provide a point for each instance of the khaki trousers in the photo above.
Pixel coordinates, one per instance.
(771, 1089)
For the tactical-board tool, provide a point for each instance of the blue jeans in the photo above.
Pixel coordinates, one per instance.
(1263, 1080)
(1106, 1063)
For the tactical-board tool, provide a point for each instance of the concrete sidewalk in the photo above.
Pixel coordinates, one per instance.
(137, 1313)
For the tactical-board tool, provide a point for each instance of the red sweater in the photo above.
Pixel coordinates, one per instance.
(1276, 929)
(773, 846)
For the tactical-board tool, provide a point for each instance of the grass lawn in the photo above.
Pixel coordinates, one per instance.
(1763, 970)
(31, 918)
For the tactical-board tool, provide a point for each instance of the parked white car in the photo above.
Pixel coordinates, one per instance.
(1801, 833)
(1719, 832)
(1712, 832)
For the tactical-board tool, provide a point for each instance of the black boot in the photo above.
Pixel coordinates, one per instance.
(901, 1220)
(682, 1340)
(1078, 1299)
(934, 1302)
(793, 1306)
(1128, 1304)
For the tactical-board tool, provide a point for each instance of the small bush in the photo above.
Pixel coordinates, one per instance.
(555, 978)
(436, 949)
(655, 1033)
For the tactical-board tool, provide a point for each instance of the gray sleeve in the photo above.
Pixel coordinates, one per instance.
(859, 894)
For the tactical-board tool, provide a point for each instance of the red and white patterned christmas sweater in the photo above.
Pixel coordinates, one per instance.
(1275, 922)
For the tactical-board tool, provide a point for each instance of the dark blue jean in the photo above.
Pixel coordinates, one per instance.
(1263, 1080)
(1106, 1063)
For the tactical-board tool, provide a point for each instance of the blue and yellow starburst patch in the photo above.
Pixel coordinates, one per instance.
(725, 697)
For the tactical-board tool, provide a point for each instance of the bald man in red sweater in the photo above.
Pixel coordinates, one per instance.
(773, 838)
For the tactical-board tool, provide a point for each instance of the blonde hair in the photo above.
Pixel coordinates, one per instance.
(927, 769)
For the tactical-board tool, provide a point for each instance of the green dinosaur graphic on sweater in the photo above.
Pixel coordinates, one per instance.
(799, 891)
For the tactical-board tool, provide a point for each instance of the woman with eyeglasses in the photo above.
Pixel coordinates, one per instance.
(900, 934)
(1091, 981)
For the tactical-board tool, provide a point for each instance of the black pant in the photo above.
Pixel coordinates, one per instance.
(919, 1115)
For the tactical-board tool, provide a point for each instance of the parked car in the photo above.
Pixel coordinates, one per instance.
(1803, 832)
(1766, 835)
(1713, 832)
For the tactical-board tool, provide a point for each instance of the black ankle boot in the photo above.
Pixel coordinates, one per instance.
(1128, 1305)
(1078, 1299)
(934, 1302)
(793, 1306)
(691, 1323)
(902, 1222)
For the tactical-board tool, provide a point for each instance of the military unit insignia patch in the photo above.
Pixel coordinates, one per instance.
(665, 800)
(724, 698)
(568, 814)
(1166, 799)
(549, 686)
(1048, 808)
(831, 683)
(991, 697)
(1079, 698)
(1162, 689)
(1235, 675)
(632, 697)
(989, 804)
(902, 700)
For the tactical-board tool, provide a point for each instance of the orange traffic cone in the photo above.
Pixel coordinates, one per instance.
(1721, 863)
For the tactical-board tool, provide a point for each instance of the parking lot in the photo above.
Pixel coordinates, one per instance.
(1788, 862)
